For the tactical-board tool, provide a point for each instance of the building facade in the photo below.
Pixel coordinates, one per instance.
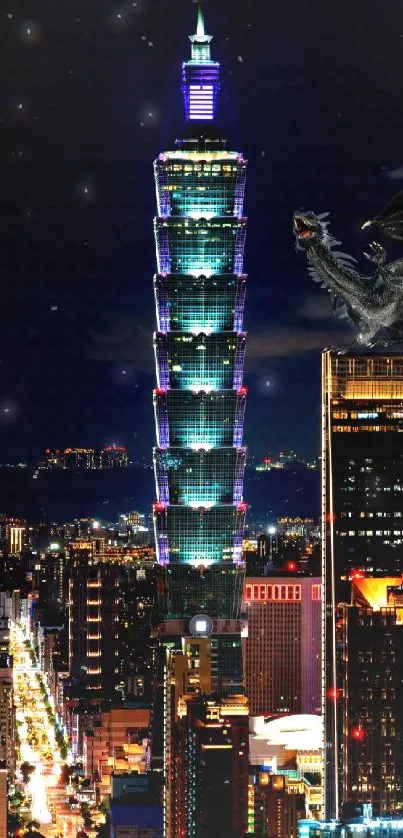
(362, 413)
(117, 743)
(282, 650)
(275, 804)
(13, 535)
(206, 750)
(371, 632)
(93, 622)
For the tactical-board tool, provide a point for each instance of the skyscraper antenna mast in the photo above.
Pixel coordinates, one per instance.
(200, 21)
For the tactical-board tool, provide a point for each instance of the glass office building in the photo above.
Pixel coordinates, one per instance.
(362, 413)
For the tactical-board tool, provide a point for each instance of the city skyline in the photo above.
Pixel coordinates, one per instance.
(179, 673)
(87, 301)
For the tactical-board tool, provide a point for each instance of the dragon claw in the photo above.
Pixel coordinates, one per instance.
(376, 253)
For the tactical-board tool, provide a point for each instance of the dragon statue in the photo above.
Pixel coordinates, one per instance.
(373, 302)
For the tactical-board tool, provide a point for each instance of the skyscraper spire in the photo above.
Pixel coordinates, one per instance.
(200, 22)
(201, 41)
(200, 75)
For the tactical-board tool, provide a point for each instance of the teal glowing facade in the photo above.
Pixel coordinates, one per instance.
(199, 345)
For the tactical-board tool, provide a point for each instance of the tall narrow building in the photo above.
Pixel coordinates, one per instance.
(200, 399)
(206, 749)
(362, 410)
(94, 602)
(199, 460)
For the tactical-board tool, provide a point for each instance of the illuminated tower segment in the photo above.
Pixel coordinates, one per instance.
(200, 346)
(200, 77)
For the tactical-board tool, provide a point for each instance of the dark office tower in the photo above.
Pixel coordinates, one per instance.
(93, 623)
(199, 346)
(372, 699)
(206, 755)
(362, 409)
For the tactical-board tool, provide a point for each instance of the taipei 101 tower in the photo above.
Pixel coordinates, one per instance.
(200, 399)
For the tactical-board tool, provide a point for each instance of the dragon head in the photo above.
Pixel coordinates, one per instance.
(309, 228)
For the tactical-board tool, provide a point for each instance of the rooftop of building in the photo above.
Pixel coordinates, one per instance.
(134, 814)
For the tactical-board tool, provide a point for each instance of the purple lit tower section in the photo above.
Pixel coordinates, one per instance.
(200, 286)
(200, 77)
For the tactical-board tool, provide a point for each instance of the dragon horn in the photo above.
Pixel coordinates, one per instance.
(367, 224)
(323, 215)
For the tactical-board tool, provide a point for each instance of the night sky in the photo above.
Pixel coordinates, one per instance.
(312, 93)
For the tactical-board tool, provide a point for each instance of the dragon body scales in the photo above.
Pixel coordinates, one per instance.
(374, 303)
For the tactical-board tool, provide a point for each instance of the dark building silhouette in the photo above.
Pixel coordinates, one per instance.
(371, 631)
(273, 809)
(362, 410)
(93, 622)
(206, 753)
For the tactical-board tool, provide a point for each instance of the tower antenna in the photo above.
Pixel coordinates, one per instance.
(201, 31)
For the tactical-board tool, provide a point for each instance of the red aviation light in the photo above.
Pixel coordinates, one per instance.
(333, 694)
(159, 507)
(356, 573)
(159, 391)
(330, 518)
(291, 566)
(357, 733)
(243, 391)
(242, 507)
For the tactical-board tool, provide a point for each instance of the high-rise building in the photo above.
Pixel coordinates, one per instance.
(362, 410)
(199, 403)
(113, 456)
(86, 459)
(199, 460)
(74, 459)
(14, 535)
(78, 458)
(282, 649)
(370, 632)
(206, 753)
(93, 622)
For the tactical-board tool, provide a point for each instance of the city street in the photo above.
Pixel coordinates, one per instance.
(38, 747)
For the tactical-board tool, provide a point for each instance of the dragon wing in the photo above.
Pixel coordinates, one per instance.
(390, 219)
